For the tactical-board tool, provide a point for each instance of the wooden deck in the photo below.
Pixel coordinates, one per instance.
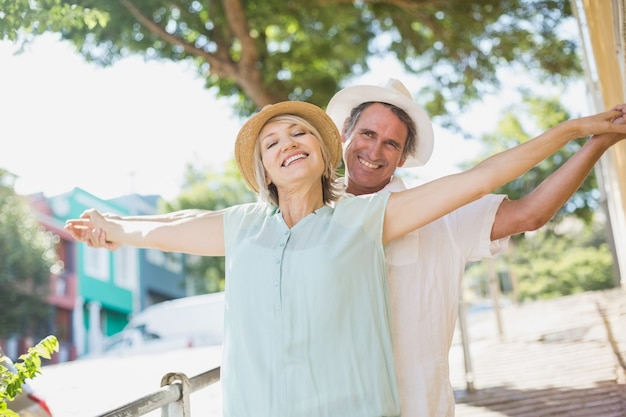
(555, 358)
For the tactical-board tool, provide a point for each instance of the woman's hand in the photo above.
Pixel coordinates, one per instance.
(90, 229)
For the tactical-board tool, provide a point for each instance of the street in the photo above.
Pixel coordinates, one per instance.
(90, 387)
(554, 348)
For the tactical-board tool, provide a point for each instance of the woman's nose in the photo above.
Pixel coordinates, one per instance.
(288, 144)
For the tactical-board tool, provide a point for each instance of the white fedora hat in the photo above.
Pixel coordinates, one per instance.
(393, 92)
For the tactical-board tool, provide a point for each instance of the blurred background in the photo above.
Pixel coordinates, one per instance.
(132, 107)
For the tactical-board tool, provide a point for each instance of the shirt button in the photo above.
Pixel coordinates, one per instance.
(278, 260)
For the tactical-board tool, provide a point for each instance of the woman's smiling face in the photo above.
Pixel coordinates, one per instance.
(289, 152)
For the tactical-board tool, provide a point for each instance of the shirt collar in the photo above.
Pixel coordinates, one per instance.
(394, 185)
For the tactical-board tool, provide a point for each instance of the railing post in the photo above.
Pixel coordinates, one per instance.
(180, 408)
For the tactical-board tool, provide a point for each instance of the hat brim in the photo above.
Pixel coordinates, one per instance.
(247, 137)
(341, 105)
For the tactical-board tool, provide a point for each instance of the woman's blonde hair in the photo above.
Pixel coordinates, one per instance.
(269, 193)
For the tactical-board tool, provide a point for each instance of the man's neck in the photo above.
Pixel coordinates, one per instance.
(355, 189)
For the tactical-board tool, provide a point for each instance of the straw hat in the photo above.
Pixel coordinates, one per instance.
(394, 92)
(249, 133)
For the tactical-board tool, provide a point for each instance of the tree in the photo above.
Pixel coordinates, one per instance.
(559, 259)
(27, 254)
(260, 52)
(23, 19)
(521, 122)
(210, 191)
(547, 265)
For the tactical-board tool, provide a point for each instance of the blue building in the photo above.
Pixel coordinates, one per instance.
(113, 285)
(161, 275)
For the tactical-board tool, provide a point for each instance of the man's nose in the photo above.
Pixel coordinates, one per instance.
(376, 150)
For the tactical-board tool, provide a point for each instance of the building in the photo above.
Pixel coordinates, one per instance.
(99, 290)
(62, 289)
(161, 274)
(602, 26)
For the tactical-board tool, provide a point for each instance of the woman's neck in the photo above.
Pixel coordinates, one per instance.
(296, 205)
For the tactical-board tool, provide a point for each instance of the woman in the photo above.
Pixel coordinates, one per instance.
(306, 321)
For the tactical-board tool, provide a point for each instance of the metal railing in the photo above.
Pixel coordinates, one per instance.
(173, 397)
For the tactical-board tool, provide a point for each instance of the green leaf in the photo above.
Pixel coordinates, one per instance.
(27, 366)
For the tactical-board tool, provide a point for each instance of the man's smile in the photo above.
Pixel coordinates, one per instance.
(367, 164)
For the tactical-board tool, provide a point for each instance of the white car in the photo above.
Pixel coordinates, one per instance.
(184, 322)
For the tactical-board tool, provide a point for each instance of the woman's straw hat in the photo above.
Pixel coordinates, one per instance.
(245, 144)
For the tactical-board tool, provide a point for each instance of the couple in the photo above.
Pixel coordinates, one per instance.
(309, 316)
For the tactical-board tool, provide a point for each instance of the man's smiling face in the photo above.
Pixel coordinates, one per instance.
(374, 149)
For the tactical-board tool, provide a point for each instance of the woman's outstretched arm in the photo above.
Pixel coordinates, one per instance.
(199, 235)
(98, 238)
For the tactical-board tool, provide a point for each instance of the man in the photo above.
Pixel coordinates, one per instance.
(425, 268)
(384, 129)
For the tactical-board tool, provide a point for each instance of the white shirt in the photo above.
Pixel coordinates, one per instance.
(424, 271)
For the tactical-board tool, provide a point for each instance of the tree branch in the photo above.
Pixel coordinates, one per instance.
(248, 76)
(245, 72)
(219, 67)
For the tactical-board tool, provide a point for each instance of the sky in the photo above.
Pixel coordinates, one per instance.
(133, 127)
(128, 128)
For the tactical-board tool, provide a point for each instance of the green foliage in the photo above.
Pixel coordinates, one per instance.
(521, 122)
(27, 253)
(23, 19)
(209, 190)
(263, 51)
(555, 260)
(28, 366)
(548, 265)
(457, 47)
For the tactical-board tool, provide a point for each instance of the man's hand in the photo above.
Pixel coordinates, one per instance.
(612, 138)
(610, 121)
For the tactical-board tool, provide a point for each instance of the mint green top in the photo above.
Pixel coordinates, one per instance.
(306, 323)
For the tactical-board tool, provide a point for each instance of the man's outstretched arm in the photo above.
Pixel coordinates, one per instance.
(165, 217)
(540, 205)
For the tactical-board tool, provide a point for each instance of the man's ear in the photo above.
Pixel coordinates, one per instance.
(344, 129)
(402, 161)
